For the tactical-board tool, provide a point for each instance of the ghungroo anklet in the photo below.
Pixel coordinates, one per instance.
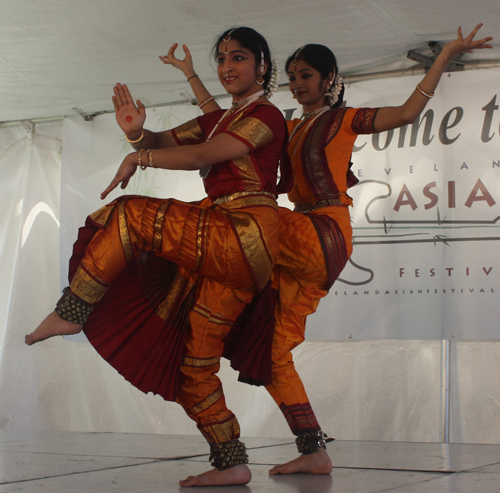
(228, 454)
(309, 442)
(73, 309)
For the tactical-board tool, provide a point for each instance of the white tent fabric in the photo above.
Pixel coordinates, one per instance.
(361, 390)
(58, 57)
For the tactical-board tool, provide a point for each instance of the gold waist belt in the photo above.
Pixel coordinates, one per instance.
(320, 204)
(247, 199)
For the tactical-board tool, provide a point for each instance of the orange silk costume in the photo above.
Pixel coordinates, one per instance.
(168, 279)
(314, 246)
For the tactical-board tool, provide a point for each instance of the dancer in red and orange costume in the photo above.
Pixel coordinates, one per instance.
(157, 284)
(316, 238)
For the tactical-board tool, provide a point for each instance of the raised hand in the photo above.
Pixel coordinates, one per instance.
(468, 44)
(129, 115)
(124, 173)
(185, 65)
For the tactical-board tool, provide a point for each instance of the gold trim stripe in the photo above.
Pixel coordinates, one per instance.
(201, 243)
(215, 318)
(206, 403)
(87, 286)
(254, 246)
(180, 286)
(253, 131)
(221, 431)
(124, 234)
(247, 171)
(200, 362)
(189, 133)
(101, 216)
(253, 198)
(160, 217)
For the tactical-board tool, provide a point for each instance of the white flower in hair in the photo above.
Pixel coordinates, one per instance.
(335, 89)
(273, 80)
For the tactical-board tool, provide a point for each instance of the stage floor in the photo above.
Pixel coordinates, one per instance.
(71, 462)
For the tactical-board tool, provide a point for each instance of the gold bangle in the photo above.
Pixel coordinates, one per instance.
(189, 78)
(421, 91)
(139, 159)
(150, 158)
(135, 142)
(200, 105)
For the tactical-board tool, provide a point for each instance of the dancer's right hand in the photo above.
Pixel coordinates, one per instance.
(130, 117)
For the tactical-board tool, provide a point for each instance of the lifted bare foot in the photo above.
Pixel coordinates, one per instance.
(236, 475)
(52, 325)
(316, 463)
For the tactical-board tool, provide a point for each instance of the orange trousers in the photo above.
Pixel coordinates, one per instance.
(227, 262)
(301, 279)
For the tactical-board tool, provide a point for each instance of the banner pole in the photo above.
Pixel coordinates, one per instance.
(445, 390)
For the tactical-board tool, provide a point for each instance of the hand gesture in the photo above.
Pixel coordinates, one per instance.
(185, 65)
(130, 117)
(124, 173)
(468, 44)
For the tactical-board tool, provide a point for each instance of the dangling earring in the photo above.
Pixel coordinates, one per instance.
(262, 69)
(329, 90)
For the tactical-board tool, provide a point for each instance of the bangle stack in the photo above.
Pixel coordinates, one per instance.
(421, 91)
(139, 160)
(139, 140)
(203, 103)
(150, 159)
(189, 78)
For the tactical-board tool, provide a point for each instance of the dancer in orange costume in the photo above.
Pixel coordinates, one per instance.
(316, 238)
(157, 284)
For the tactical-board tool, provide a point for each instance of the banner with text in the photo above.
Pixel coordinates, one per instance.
(425, 261)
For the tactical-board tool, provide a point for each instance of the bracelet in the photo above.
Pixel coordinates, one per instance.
(139, 160)
(200, 105)
(421, 91)
(135, 142)
(189, 78)
(150, 158)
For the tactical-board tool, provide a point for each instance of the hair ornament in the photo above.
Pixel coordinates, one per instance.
(334, 90)
(273, 79)
(227, 38)
(297, 53)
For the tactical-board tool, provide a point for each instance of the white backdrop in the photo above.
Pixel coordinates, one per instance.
(385, 389)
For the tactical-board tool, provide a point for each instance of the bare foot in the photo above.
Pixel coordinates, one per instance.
(236, 475)
(316, 463)
(52, 325)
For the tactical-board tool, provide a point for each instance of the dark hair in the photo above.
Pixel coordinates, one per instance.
(250, 39)
(321, 59)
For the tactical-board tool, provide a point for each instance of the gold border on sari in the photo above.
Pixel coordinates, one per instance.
(252, 130)
(128, 250)
(206, 403)
(160, 217)
(200, 362)
(254, 246)
(101, 217)
(87, 286)
(215, 318)
(189, 133)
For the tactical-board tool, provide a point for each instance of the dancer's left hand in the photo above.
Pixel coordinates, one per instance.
(124, 173)
(185, 65)
(468, 44)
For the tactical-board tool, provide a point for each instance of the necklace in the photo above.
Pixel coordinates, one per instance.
(307, 115)
(249, 99)
(310, 118)
(235, 107)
